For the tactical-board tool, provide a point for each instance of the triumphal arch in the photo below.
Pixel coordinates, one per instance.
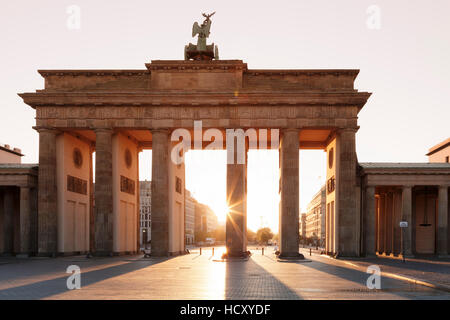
(118, 113)
(172, 106)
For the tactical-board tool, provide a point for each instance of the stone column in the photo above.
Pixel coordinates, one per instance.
(389, 226)
(289, 189)
(381, 225)
(236, 221)
(2, 214)
(104, 223)
(25, 221)
(347, 214)
(369, 221)
(8, 221)
(160, 193)
(47, 195)
(407, 216)
(138, 203)
(442, 234)
(91, 201)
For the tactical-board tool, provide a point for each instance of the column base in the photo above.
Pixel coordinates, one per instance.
(443, 256)
(291, 256)
(236, 255)
(47, 254)
(22, 255)
(102, 254)
(177, 253)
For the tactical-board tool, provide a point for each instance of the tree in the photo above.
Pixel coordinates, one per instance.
(251, 236)
(263, 235)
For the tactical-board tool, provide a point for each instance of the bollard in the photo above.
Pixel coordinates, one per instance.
(262, 251)
(310, 251)
(213, 251)
(200, 251)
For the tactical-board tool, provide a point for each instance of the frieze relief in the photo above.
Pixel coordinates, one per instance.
(76, 185)
(79, 116)
(127, 185)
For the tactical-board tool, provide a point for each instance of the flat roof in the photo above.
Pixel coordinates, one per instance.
(406, 165)
(18, 165)
(438, 147)
(11, 151)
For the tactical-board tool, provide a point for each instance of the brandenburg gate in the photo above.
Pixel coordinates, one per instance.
(118, 113)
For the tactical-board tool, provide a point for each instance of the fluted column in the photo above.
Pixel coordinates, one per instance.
(442, 236)
(388, 221)
(91, 201)
(381, 225)
(236, 221)
(8, 221)
(289, 189)
(47, 195)
(369, 223)
(348, 223)
(160, 193)
(25, 221)
(407, 216)
(103, 192)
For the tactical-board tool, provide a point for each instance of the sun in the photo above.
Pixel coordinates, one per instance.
(221, 211)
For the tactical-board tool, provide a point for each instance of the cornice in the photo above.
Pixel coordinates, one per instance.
(304, 72)
(182, 65)
(43, 98)
(89, 73)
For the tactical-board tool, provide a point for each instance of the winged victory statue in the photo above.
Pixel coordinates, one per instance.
(201, 51)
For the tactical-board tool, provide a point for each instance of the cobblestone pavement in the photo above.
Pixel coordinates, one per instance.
(197, 276)
(429, 270)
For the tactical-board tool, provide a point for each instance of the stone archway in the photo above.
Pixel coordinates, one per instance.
(116, 110)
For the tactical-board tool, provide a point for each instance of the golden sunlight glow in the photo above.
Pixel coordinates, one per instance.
(221, 210)
(206, 179)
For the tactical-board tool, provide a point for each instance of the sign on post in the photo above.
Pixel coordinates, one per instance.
(403, 224)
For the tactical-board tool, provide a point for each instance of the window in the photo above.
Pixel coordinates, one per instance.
(447, 159)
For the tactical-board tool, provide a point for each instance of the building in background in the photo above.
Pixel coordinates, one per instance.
(198, 216)
(303, 225)
(205, 218)
(18, 204)
(440, 152)
(8, 155)
(189, 210)
(145, 199)
(315, 217)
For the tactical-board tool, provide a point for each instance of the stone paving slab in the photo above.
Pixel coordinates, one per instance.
(433, 271)
(200, 277)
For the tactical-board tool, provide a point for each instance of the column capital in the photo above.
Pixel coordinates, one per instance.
(347, 129)
(407, 186)
(290, 129)
(443, 186)
(160, 130)
(104, 129)
(46, 130)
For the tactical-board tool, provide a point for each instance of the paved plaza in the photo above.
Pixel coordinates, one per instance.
(203, 277)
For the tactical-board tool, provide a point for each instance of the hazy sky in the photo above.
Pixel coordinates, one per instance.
(405, 63)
